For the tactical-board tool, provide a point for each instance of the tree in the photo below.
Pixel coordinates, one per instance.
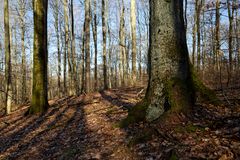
(122, 46)
(230, 37)
(22, 14)
(170, 83)
(134, 42)
(39, 101)
(104, 33)
(73, 56)
(94, 26)
(217, 35)
(87, 45)
(8, 67)
(55, 6)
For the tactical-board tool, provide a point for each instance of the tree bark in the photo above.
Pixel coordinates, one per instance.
(134, 45)
(56, 25)
(94, 26)
(39, 101)
(230, 38)
(8, 67)
(104, 34)
(217, 36)
(87, 46)
(75, 87)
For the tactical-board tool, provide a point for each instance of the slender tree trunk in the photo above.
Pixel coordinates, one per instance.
(24, 67)
(8, 67)
(230, 38)
(56, 24)
(83, 62)
(110, 72)
(238, 36)
(87, 45)
(68, 49)
(39, 101)
(73, 57)
(199, 8)
(217, 35)
(194, 31)
(134, 41)
(94, 26)
(104, 34)
(65, 48)
(122, 45)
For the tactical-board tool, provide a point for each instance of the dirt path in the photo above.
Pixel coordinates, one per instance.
(73, 128)
(85, 128)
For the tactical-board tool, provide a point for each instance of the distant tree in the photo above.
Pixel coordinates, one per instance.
(39, 101)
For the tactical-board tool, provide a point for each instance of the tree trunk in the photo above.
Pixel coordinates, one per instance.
(94, 26)
(134, 45)
(8, 67)
(199, 8)
(75, 87)
(87, 46)
(56, 24)
(24, 67)
(122, 45)
(217, 36)
(39, 101)
(104, 34)
(230, 38)
(194, 31)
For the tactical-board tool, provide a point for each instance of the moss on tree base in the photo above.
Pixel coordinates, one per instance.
(135, 114)
(179, 98)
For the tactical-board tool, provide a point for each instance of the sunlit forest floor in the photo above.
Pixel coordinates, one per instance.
(86, 127)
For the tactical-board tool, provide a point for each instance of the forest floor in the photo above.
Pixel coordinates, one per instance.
(86, 127)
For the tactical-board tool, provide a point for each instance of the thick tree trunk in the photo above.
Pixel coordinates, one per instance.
(134, 41)
(39, 101)
(8, 67)
(170, 83)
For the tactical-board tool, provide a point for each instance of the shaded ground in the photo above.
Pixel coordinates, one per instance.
(85, 127)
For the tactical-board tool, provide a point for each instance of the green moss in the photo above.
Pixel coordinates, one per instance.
(69, 153)
(173, 156)
(205, 93)
(135, 114)
(190, 128)
(145, 136)
(179, 95)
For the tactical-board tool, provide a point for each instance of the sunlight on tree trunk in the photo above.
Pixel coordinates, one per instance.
(39, 101)
(8, 68)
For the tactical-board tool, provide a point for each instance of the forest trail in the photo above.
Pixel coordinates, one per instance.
(85, 127)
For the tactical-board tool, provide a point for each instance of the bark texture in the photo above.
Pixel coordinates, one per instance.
(8, 68)
(39, 101)
(134, 41)
(170, 84)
